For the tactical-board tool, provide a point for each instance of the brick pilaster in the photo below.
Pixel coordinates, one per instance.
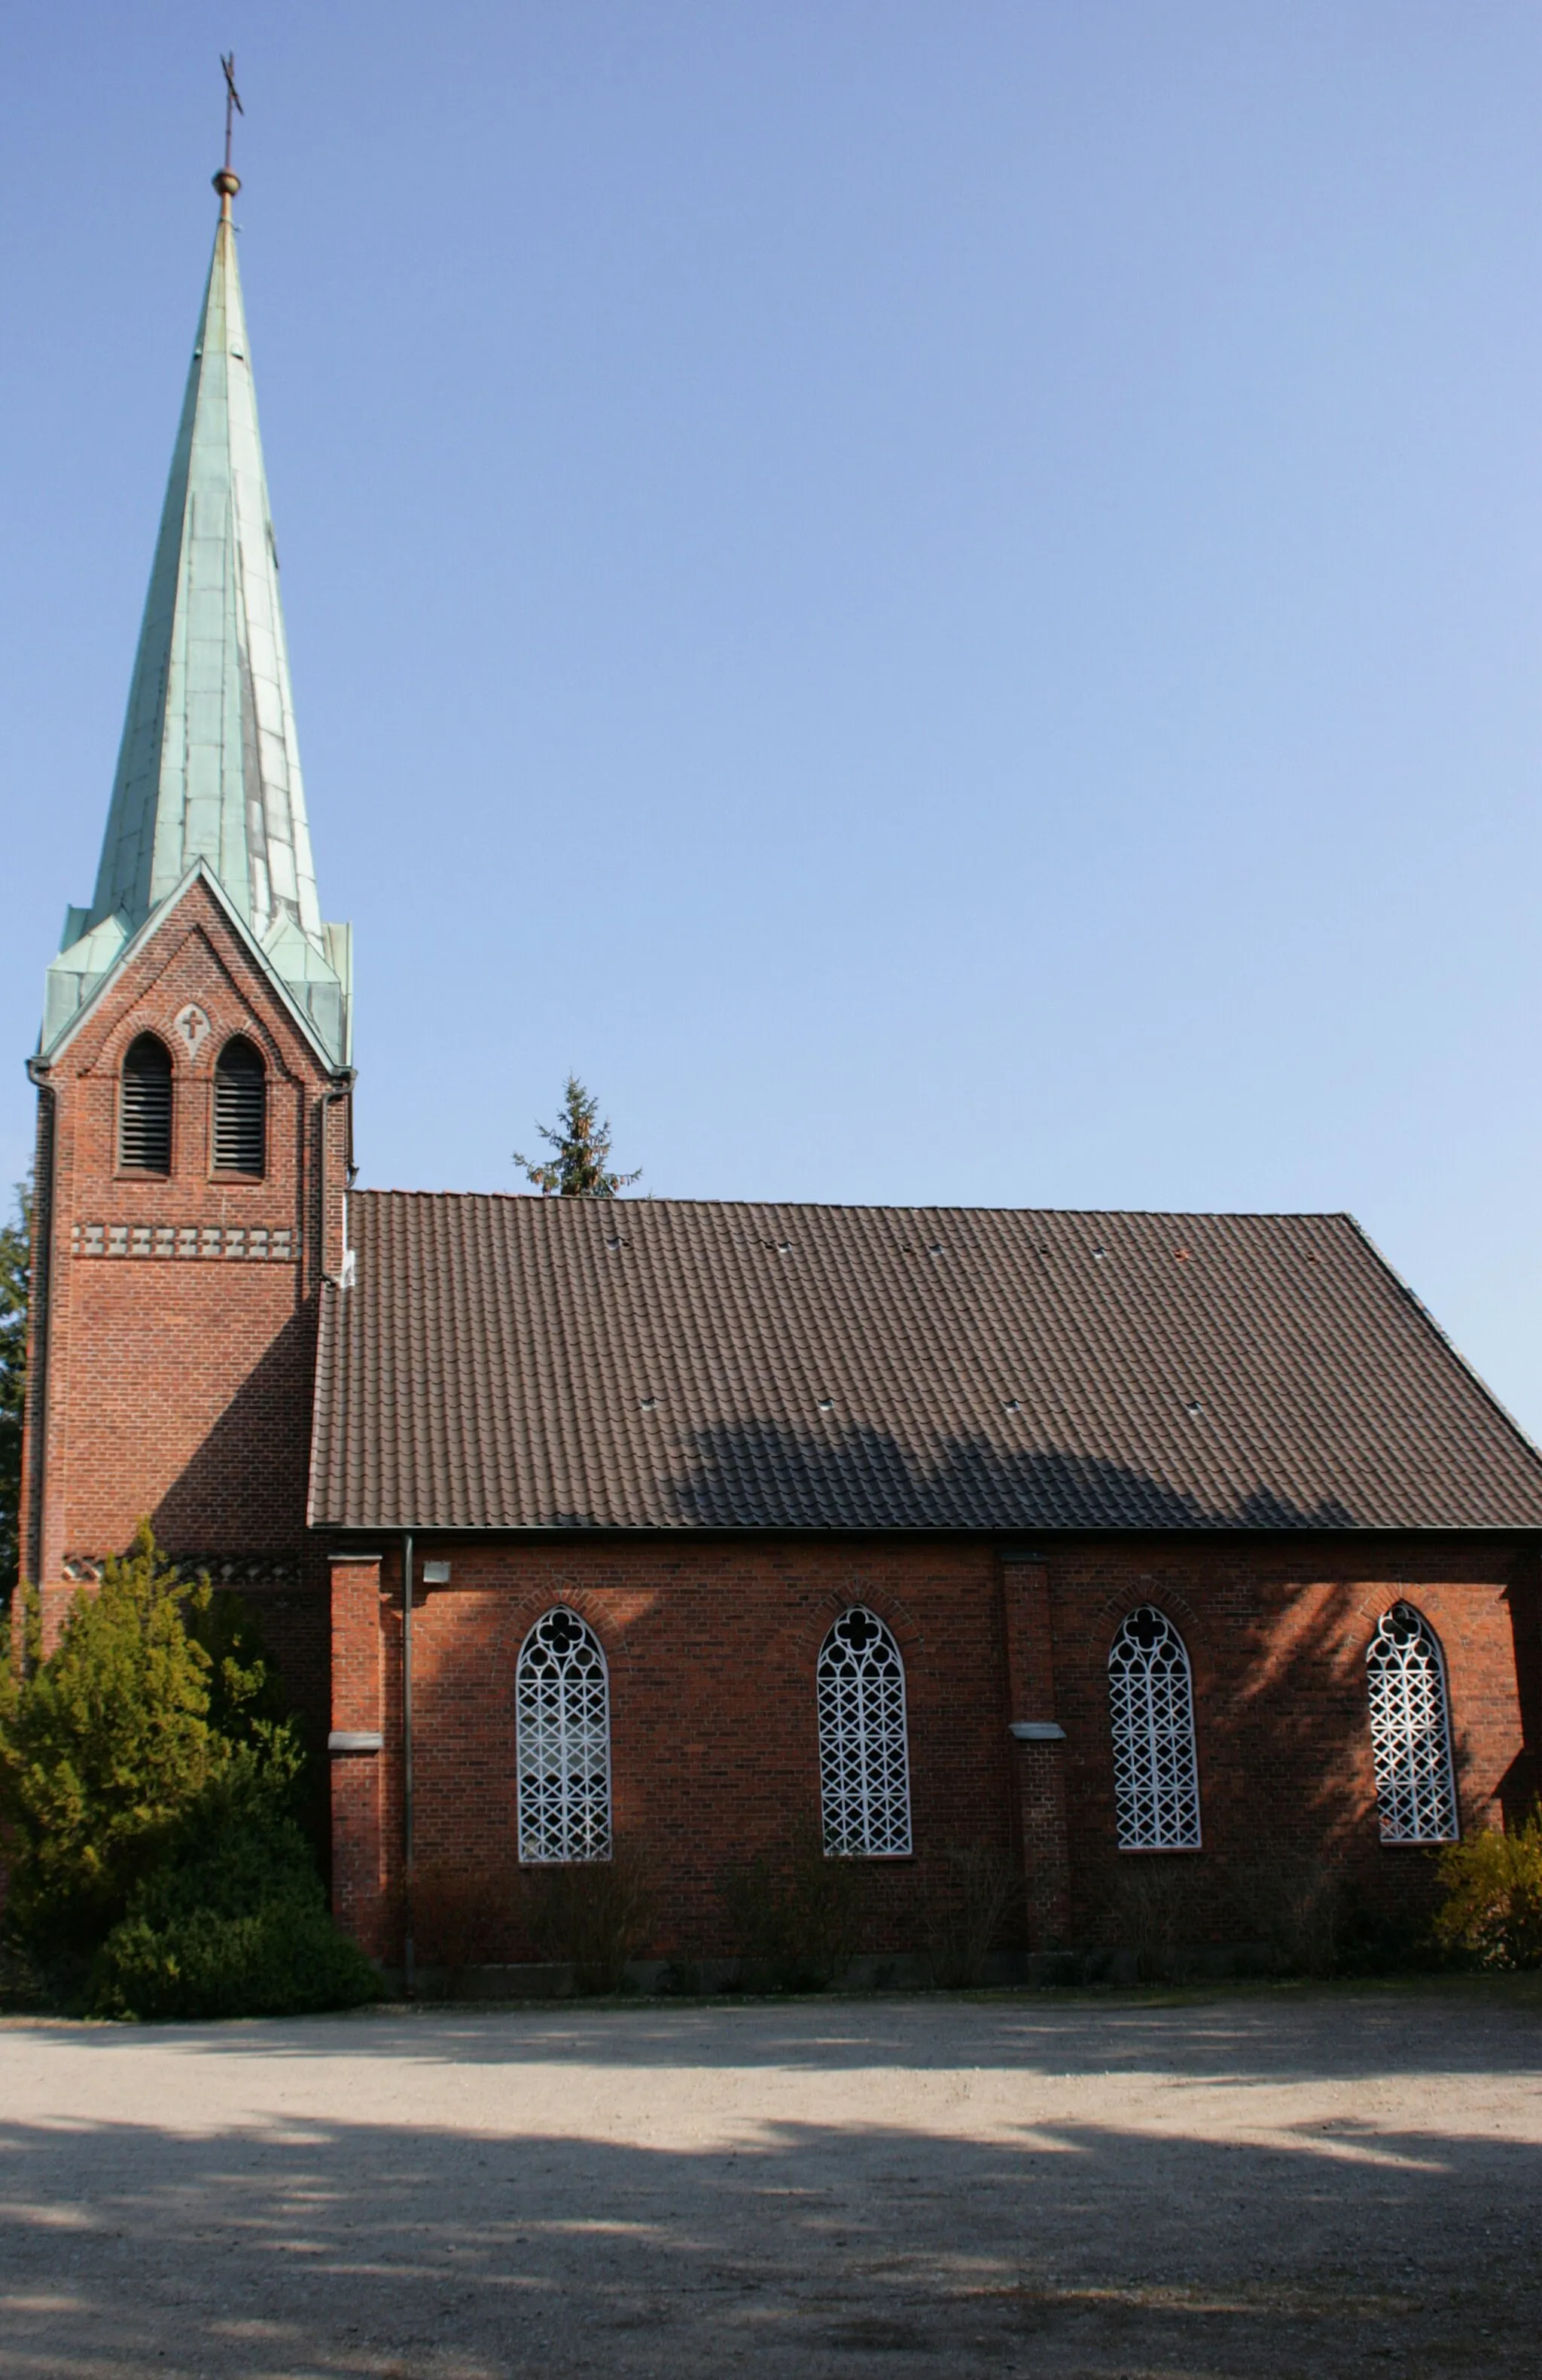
(359, 1796)
(1038, 1758)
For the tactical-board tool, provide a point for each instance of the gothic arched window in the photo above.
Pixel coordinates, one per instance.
(144, 1108)
(563, 1722)
(1410, 1731)
(1156, 1775)
(240, 1108)
(864, 1771)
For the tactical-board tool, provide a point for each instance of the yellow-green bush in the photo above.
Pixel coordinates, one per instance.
(1493, 1905)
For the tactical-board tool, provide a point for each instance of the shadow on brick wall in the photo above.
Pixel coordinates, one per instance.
(244, 1489)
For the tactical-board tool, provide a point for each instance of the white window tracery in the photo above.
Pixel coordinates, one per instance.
(563, 1724)
(1410, 1731)
(864, 1768)
(1156, 1772)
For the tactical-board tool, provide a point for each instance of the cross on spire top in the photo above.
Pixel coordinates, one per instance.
(226, 182)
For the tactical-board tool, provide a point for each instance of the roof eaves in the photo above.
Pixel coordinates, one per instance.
(1010, 1531)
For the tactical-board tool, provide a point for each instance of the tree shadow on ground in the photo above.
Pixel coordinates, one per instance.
(1191, 2237)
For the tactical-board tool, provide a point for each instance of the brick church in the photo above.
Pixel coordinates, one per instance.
(1085, 1539)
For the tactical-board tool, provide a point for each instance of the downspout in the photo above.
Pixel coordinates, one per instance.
(406, 1767)
(39, 1286)
(342, 1086)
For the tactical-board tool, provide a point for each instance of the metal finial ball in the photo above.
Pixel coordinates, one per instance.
(227, 183)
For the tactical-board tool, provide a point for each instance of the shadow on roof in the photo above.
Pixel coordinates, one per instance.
(761, 1475)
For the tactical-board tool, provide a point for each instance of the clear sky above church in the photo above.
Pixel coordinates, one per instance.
(944, 600)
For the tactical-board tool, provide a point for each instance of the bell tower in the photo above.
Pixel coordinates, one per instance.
(194, 1069)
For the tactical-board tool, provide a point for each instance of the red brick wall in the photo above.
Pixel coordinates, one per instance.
(1277, 1635)
(358, 1775)
(178, 1384)
(712, 1648)
(1041, 1831)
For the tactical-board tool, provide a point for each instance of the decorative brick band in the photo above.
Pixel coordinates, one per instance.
(222, 1570)
(257, 1243)
(84, 1569)
(243, 1570)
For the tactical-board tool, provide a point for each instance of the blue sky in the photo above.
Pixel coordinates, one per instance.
(944, 600)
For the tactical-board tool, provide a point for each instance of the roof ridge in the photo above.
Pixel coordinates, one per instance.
(891, 1207)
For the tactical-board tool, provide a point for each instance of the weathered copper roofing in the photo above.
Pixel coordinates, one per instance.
(511, 1362)
(209, 767)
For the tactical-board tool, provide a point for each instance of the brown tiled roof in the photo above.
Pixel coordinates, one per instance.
(517, 1363)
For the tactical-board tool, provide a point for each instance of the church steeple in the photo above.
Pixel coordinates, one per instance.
(209, 765)
(208, 769)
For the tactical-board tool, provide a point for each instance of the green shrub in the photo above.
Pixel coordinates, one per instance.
(233, 1922)
(284, 1959)
(970, 1896)
(1155, 1913)
(795, 1922)
(595, 1914)
(148, 1794)
(1492, 1912)
(464, 1916)
(1295, 1901)
(1377, 1941)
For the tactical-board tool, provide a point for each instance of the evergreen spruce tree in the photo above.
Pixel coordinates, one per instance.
(15, 1262)
(582, 1144)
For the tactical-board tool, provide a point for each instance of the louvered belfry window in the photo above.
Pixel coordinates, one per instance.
(864, 1770)
(240, 1110)
(1156, 1776)
(1410, 1731)
(144, 1108)
(562, 1726)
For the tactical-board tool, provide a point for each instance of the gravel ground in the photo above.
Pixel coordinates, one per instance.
(1269, 2181)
